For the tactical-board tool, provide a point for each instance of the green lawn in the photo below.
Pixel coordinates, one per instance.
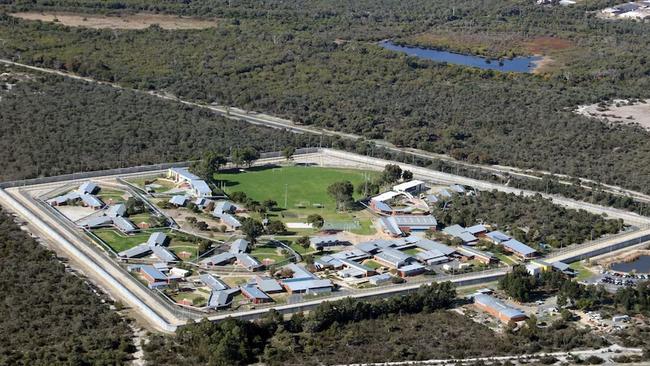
(120, 242)
(305, 188)
(165, 184)
(114, 195)
(583, 272)
(412, 251)
(372, 264)
(505, 259)
(262, 252)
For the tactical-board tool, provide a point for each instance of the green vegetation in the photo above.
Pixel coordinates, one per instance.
(93, 127)
(282, 58)
(532, 219)
(583, 272)
(119, 241)
(305, 188)
(49, 316)
(269, 251)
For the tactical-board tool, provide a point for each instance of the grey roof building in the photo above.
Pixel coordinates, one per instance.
(393, 258)
(239, 246)
(200, 188)
(116, 210)
(92, 201)
(124, 224)
(230, 220)
(248, 262)
(497, 237)
(255, 294)
(213, 282)
(157, 238)
(268, 284)
(88, 188)
(178, 200)
(380, 279)
(519, 248)
(224, 207)
(308, 286)
(461, 233)
(95, 222)
(427, 244)
(219, 259)
(164, 254)
(221, 298)
(135, 252)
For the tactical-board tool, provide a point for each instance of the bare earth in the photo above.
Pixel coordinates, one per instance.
(125, 21)
(620, 112)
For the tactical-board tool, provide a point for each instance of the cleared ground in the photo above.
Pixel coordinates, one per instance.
(620, 111)
(122, 21)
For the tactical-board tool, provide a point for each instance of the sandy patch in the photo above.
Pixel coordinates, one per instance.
(75, 213)
(124, 21)
(620, 111)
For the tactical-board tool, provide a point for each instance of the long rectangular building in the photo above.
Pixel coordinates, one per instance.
(498, 309)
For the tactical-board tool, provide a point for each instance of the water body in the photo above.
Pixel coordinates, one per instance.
(517, 64)
(639, 265)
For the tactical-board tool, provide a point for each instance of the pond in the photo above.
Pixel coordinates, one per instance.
(517, 64)
(639, 265)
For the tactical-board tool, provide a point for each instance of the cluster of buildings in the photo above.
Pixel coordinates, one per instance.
(84, 194)
(259, 288)
(184, 179)
(235, 255)
(394, 255)
(155, 245)
(159, 275)
(115, 216)
(638, 10)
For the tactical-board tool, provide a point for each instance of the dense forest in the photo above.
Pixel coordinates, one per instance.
(49, 316)
(416, 326)
(50, 125)
(530, 219)
(280, 57)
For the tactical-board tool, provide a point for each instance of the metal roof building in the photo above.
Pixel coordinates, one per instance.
(380, 278)
(268, 284)
(484, 257)
(98, 221)
(411, 270)
(124, 224)
(355, 269)
(87, 187)
(308, 286)
(432, 257)
(497, 237)
(157, 238)
(221, 298)
(477, 229)
(116, 210)
(152, 274)
(413, 186)
(92, 201)
(254, 294)
(239, 246)
(393, 258)
(519, 248)
(498, 309)
(390, 226)
(427, 244)
(219, 259)
(213, 282)
(135, 252)
(182, 174)
(461, 233)
(351, 254)
(224, 207)
(299, 272)
(415, 222)
(327, 241)
(201, 188)
(178, 200)
(230, 220)
(248, 262)
(457, 188)
(164, 254)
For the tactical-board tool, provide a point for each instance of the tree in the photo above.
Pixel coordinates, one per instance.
(253, 229)
(239, 197)
(245, 156)
(391, 174)
(367, 188)
(341, 192)
(204, 246)
(303, 241)
(518, 284)
(288, 152)
(209, 165)
(407, 175)
(275, 227)
(134, 206)
(269, 204)
(316, 221)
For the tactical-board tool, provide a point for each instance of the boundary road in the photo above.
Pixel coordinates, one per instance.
(261, 119)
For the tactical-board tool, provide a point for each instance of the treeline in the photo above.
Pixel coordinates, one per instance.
(49, 316)
(522, 286)
(530, 219)
(287, 63)
(235, 342)
(50, 126)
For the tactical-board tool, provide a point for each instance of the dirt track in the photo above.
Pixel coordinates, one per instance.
(126, 21)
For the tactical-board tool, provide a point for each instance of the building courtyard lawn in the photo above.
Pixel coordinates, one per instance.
(305, 190)
(265, 251)
(119, 241)
(112, 196)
